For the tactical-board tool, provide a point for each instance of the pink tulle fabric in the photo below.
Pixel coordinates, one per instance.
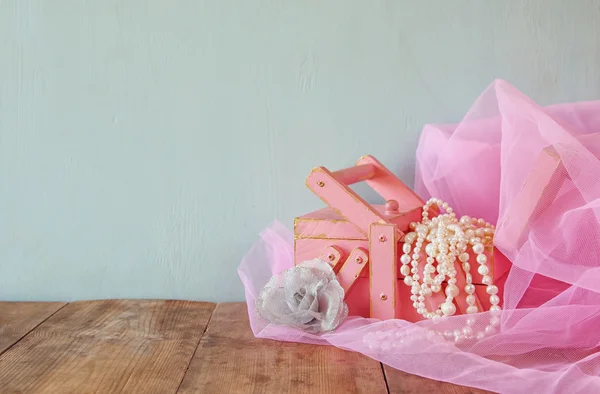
(547, 340)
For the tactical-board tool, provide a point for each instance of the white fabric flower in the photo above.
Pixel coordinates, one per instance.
(307, 296)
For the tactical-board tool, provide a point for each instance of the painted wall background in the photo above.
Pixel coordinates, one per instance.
(143, 145)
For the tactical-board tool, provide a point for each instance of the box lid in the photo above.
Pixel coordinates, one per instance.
(328, 223)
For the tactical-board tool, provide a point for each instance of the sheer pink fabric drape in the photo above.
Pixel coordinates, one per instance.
(548, 335)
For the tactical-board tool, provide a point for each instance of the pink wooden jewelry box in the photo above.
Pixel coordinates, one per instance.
(362, 242)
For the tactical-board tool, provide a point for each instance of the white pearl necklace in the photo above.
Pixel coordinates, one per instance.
(448, 240)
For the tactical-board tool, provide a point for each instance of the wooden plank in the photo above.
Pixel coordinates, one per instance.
(231, 360)
(405, 383)
(18, 318)
(139, 346)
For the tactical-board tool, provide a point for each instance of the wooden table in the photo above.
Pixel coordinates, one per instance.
(150, 346)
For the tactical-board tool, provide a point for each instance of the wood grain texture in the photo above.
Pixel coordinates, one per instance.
(400, 382)
(231, 360)
(18, 318)
(139, 346)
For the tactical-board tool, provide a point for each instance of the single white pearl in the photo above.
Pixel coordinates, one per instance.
(452, 291)
(471, 299)
(486, 280)
(430, 250)
(471, 321)
(480, 335)
(478, 248)
(408, 281)
(415, 270)
(495, 308)
(482, 259)
(420, 311)
(405, 270)
(421, 229)
(479, 232)
(469, 234)
(448, 308)
(494, 321)
(413, 298)
(405, 259)
(492, 289)
(470, 289)
(468, 278)
(494, 299)
(464, 257)
(483, 270)
(416, 256)
(472, 309)
(436, 288)
(489, 330)
(465, 220)
(421, 298)
(406, 248)
(467, 332)
(410, 237)
(466, 267)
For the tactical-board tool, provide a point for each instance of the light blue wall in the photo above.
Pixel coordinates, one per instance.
(144, 144)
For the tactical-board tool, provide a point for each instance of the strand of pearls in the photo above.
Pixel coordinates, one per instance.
(445, 240)
(397, 338)
(448, 240)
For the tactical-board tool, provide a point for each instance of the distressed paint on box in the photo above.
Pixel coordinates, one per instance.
(328, 223)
